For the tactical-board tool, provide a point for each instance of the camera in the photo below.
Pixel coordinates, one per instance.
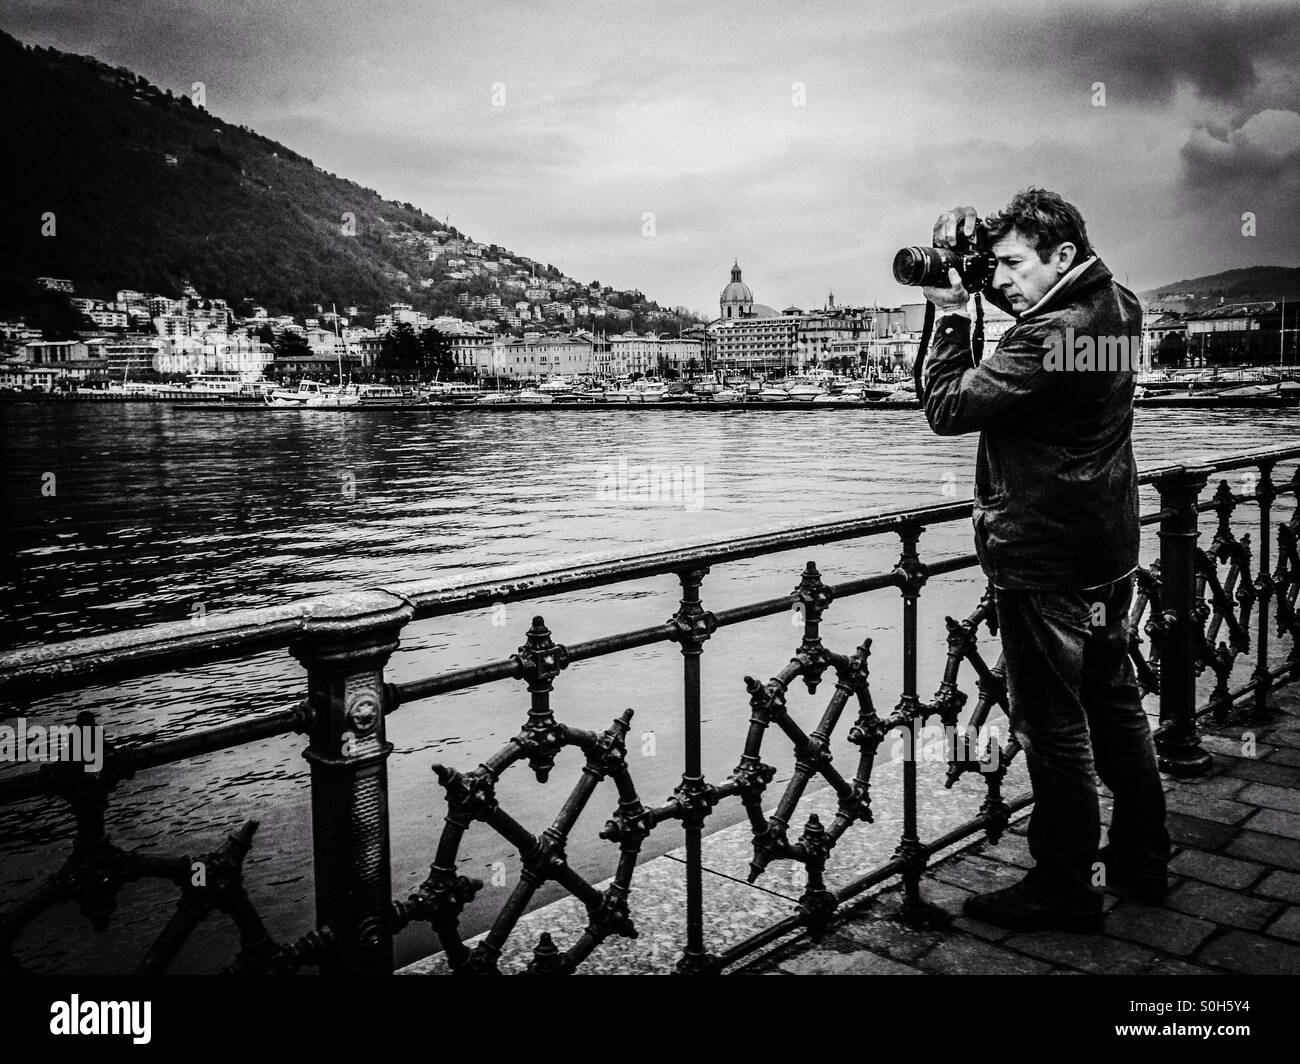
(971, 258)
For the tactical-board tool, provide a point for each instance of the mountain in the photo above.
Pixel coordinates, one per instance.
(1235, 286)
(145, 190)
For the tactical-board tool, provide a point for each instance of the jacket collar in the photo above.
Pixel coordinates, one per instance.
(1090, 272)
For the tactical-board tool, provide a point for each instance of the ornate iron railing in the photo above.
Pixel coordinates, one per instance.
(1185, 601)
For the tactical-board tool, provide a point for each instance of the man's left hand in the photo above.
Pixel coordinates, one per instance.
(952, 299)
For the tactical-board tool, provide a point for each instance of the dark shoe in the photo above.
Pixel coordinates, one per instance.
(1024, 907)
(1147, 883)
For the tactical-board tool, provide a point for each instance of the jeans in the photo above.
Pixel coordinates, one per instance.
(1069, 681)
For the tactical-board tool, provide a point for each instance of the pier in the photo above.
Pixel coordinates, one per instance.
(1213, 636)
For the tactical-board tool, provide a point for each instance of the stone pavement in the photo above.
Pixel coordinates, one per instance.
(1233, 905)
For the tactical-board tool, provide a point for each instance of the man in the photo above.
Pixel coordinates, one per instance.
(1057, 533)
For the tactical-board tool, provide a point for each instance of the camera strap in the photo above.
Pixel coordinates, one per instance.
(927, 331)
(922, 349)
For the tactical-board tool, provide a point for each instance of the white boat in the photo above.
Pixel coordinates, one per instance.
(216, 384)
(314, 394)
(622, 393)
(727, 395)
(555, 386)
(533, 397)
(805, 391)
(452, 392)
(651, 390)
(774, 393)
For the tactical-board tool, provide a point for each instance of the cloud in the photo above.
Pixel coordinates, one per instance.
(685, 109)
(1267, 144)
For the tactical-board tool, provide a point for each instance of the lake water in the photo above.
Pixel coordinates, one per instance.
(162, 514)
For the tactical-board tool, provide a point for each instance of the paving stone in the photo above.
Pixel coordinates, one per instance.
(1220, 810)
(820, 961)
(1282, 735)
(1271, 797)
(1173, 966)
(1233, 745)
(1202, 834)
(1270, 849)
(1265, 772)
(1275, 822)
(979, 928)
(1011, 849)
(1173, 932)
(1222, 906)
(1217, 869)
(1239, 951)
(1287, 925)
(1284, 885)
(962, 955)
(978, 874)
(1091, 953)
(1221, 786)
(890, 937)
(1285, 756)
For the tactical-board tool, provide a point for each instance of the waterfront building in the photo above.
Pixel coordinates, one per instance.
(128, 355)
(630, 353)
(538, 356)
(683, 355)
(1242, 334)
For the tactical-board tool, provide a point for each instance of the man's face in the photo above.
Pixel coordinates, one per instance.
(1021, 275)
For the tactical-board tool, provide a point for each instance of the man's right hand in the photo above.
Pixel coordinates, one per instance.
(958, 220)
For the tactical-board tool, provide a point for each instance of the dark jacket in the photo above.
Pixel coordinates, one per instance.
(1056, 503)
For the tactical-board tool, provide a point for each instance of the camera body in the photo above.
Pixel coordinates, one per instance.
(970, 257)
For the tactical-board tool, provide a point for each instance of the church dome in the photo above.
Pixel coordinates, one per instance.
(736, 291)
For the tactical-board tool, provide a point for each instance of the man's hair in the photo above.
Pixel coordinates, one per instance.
(1045, 220)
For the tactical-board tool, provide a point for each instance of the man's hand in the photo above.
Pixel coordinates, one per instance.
(950, 300)
(958, 220)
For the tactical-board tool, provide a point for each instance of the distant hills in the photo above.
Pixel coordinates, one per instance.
(144, 190)
(1234, 286)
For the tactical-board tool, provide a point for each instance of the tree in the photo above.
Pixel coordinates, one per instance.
(1172, 349)
(400, 354)
(290, 344)
(437, 356)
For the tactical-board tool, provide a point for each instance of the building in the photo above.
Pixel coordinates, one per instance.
(536, 357)
(48, 365)
(52, 352)
(1242, 334)
(126, 356)
(629, 353)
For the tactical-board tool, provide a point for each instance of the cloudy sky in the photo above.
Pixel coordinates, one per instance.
(810, 140)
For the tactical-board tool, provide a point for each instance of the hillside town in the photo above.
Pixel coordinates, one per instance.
(554, 329)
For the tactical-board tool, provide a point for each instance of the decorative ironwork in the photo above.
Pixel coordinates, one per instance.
(1195, 606)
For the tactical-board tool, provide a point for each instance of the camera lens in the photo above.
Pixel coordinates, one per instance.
(923, 266)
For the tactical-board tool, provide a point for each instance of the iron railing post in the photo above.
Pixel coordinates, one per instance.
(911, 575)
(1176, 740)
(694, 625)
(345, 645)
(1265, 493)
